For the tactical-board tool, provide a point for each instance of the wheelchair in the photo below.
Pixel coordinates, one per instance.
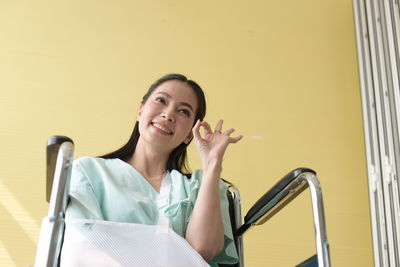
(59, 164)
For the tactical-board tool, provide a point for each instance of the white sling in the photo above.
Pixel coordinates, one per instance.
(91, 243)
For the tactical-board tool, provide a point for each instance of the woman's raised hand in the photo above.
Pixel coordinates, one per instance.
(213, 145)
(205, 230)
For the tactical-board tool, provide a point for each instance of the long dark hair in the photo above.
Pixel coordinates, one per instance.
(178, 158)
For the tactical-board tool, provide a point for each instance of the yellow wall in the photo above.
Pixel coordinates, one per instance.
(284, 73)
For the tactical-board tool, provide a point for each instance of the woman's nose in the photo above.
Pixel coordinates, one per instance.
(168, 115)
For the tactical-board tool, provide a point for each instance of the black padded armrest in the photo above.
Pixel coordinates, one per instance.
(260, 207)
(279, 186)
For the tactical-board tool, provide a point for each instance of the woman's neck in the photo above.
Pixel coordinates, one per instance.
(148, 161)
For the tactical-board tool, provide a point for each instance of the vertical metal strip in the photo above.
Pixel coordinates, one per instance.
(396, 33)
(389, 72)
(396, 94)
(371, 139)
(378, 36)
(396, 104)
(379, 82)
(394, 147)
(382, 75)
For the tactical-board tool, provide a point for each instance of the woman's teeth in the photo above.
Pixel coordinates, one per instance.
(162, 128)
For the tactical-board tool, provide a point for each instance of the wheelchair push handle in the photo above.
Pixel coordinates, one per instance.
(59, 164)
(53, 147)
(281, 194)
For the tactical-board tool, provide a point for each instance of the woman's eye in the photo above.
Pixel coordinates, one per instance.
(185, 111)
(160, 99)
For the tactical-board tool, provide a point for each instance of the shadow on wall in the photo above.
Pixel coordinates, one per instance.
(9, 231)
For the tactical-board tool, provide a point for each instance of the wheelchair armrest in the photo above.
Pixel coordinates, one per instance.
(275, 199)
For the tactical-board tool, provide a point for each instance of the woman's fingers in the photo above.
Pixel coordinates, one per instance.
(196, 130)
(232, 139)
(209, 131)
(198, 125)
(235, 139)
(218, 127)
(207, 128)
(229, 132)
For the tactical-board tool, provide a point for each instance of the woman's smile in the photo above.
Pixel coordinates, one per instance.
(162, 128)
(168, 115)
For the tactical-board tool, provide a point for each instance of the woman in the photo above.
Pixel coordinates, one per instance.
(126, 185)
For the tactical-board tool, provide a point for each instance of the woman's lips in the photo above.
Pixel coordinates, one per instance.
(162, 128)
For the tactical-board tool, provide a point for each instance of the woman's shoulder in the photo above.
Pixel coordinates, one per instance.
(196, 175)
(95, 164)
(94, 169)
(95, 160)
(194, 178)
(88, 161)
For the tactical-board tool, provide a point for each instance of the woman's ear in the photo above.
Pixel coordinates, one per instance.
(140, 112)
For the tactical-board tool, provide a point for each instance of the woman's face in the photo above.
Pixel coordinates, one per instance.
(167, 117)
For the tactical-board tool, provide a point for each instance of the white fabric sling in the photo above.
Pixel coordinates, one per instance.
(92, 243)
(163, 202)
(89, 243)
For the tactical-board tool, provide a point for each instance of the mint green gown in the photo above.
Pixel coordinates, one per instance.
(112, 190)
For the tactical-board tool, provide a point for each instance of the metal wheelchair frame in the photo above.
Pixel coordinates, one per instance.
(59, 165)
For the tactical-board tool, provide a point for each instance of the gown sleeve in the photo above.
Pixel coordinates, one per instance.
(184, 193)
(83, 202)
(228, 254)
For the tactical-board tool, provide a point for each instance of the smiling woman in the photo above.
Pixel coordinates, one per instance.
(177, 159)
(131, 184)
(170, 112)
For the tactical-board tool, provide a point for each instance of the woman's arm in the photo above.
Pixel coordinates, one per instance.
(205, 231)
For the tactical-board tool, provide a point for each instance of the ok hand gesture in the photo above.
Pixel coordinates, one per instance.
(213, 145)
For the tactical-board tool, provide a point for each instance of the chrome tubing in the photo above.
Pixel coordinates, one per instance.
(289, 193)
(52, 228)
(61, 182)
(238, 221)
(319, 218)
